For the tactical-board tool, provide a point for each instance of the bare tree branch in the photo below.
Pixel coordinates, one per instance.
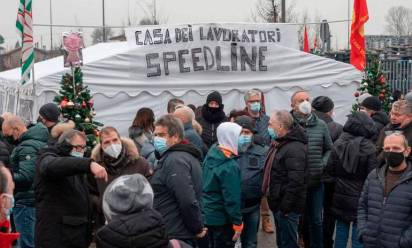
(399, 21)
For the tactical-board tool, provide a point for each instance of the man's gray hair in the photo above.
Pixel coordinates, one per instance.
(399, 134)
(70, 134)
(252, 92)
(284, 117)
(173, 124)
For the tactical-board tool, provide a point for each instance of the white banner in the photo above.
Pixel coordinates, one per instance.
(178, 50)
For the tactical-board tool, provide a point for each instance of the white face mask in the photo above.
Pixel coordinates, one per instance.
(305, 107)
(113, 150)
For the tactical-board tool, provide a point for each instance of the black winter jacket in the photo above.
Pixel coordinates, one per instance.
(381, 119)
(62, 200)
(4, 153)
(177, 186)
(210, 126)
(289, 174)
(386, 222)
(352, 159)
(145, 229)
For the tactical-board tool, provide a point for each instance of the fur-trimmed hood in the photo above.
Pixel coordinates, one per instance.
(127, 143)
(60, 128)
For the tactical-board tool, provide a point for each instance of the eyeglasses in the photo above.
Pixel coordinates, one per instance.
(79, 147)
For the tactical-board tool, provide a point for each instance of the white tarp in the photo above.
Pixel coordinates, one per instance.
(117, 74)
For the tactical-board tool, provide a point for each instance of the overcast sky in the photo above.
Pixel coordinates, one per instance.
(89, 12)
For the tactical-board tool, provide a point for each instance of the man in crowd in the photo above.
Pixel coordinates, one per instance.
(62, 197)
(119, 156)
(323, 108)
(373, 107)
(254, 107)
(186, 115)
(28, 143)
(212, 116)
(177, 181)
(401, 121)
(319, 149)
(5, 147)
(286, 170)
(251, 161)
(385, 206)
(173, 103)
(49, 115)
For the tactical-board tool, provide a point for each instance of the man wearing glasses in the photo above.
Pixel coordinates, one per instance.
(62, 199)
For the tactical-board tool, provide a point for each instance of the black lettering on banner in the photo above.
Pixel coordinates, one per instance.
(252, 33)
(182, 61)
(157, 34)
(178, 35)
(190, 33)
(156, 66)
(233, 57)
(195, 59)
(148, 38)
(262, 36)
(168, 57)
(219, 66)
(262, 67)
(245, 37)
(210, 34)
(278, 34)
(244, 58)
(185, 34)
(201, 34)
(205, 50)
(218, 32)
(167, 38)
(227, 34)
(270, 36)
(235, 35)
(138, 42)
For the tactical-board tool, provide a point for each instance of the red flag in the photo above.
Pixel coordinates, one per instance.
(357, 37)
(305, 41)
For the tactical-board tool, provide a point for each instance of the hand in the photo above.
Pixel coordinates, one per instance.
(98, 171)
(236, 236)
(202, 233)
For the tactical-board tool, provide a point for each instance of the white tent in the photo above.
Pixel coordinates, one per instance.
(120, 88)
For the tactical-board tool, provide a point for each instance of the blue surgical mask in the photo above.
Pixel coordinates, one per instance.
(245, 140)
(9, 211)
(272, 133)
(160, 144)
(76, 154)
(255, 107)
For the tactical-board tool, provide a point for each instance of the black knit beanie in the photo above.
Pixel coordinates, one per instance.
(323, 104)
(50, 112)
(214, 96)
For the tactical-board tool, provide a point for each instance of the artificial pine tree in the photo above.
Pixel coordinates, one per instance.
(76, 104)
(374, 83)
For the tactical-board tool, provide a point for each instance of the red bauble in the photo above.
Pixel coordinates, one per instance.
(382, 96)
(84, 105)
(91, 102)
(382, 79)
(356, 94)
(63, 103)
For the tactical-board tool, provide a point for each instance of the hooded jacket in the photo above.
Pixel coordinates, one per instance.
(144, 229)
(222, 180)
(289, 173)
(210, 121)
(23, 163)
(63, 209)
(177, 187)
(194, 138)
(319, 145)
(381, 119)
(352, 159)
(386, 222)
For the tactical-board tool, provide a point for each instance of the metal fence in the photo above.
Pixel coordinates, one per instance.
(398, 74)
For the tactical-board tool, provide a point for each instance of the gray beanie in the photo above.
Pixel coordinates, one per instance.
(127, 195)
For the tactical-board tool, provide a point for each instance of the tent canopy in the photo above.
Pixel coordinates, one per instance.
(120, 87)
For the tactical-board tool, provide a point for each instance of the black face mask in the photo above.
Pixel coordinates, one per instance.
(394, 159)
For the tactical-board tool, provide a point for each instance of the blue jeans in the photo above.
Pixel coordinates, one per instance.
(24, 220)
(342, 235)
(314, 215)
(287, 230)
(250, 227)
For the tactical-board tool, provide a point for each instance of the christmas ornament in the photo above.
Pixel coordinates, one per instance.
(87, 120)
(382, 79)
(77, 117)
(63, 103)
(77, 105)
(70, 104)
(356, 94)
(382, 96)
(91, 102)
(365, 84)
(84, 104)
(94, 113)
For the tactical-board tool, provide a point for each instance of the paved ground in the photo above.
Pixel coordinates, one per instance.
(266, 240)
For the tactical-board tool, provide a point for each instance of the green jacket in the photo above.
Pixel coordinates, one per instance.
(319, 145)
(221, 189)
(23, 162)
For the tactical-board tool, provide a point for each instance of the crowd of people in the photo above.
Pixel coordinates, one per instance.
(196, 177)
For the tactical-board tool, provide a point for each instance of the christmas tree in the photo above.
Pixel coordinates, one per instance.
(76, 104)
(374, 83)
